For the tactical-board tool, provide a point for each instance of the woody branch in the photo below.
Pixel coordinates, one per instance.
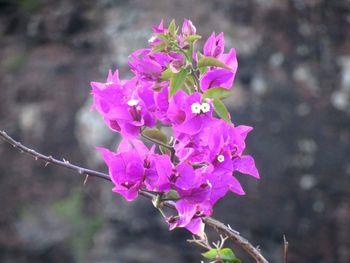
(218, 226)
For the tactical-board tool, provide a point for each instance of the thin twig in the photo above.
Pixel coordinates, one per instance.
(217, 225)
(157, 142)
(285, 249)
(236, 238)
(50, 159)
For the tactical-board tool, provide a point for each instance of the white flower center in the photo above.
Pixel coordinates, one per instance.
(133, 102)
(205, 107)
(221, 158)
(109, 83)
(196, 108)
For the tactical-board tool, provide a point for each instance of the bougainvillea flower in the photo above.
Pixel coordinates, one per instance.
(190, 184)
(217, 78)
(214, 46)
(188, 28)
(126, 171)
(144, 67)
(162, 104)
(206, 151)
(222, 183)
(187, 218)
(158, 172)
(121, 106)
(230, 59)
(189, 114)
(134, 166)
(189, 148)
(159, 28)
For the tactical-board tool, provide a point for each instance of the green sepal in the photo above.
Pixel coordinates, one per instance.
(203, 70)
(189, 85)
(166, 74)
(193, 38)
(172, 28)
(177, 81)
(162, 36)
(216, 93)
(212, 62)
(221, 110)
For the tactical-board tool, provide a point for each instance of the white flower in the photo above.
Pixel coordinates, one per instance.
(205, 107)
(221, 158)
(196, 108)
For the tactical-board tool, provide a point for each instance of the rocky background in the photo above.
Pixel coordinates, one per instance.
(293, 86)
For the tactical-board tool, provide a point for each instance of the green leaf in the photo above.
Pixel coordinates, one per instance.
(216, 93)
(155, 135)
(176, 81)
(211, 254)
(193, 38)
(221, 110)
(227, 254)
(212, 62)
(166, 74)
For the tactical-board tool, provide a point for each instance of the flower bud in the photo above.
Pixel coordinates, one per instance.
(188, 28)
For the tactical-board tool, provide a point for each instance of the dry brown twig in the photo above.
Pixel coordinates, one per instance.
(221, 228)
(285, 249)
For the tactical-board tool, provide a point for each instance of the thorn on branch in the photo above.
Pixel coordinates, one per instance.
(232, 230)
(86, 178)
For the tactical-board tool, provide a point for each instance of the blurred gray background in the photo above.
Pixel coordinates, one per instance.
(293, 86)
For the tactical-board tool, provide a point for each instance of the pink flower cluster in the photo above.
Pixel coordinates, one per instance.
(176, 86)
